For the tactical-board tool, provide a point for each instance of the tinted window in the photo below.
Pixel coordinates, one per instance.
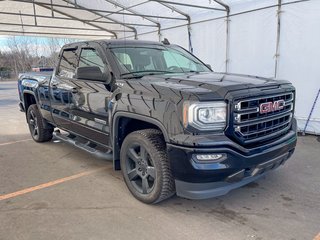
(68, 63)
(178, 61)
(125, 59)
(157, 60)
(90, 57)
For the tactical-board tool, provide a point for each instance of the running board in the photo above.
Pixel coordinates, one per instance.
(89, 147)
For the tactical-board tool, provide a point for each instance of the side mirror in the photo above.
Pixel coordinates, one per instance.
(209, 66)
(90, 73)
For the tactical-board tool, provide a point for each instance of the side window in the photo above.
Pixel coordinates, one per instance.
(68, 63)
(177, 60)
(90, 57)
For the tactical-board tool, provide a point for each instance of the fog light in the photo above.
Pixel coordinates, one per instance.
(207, 158)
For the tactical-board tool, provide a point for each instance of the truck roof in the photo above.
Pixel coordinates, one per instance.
(117, 42)
(131, 42)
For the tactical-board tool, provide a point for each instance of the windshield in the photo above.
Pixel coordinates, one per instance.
(140, 61)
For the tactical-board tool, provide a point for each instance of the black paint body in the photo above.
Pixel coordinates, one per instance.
(101, 112)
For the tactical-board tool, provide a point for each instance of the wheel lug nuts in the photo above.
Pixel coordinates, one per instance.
(139, 169)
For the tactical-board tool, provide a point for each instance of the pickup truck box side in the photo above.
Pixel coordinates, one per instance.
(170, 123)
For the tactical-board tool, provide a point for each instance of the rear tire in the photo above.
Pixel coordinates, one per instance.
(145, 166)
(40, 130)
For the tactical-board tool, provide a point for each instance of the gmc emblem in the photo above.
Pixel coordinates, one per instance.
(272, 106)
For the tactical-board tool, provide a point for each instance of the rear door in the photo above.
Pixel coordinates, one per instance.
(88, 107)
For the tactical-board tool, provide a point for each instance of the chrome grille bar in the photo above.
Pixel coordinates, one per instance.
(238, 106)
(263, 118)
(250, 125)
(238, 129)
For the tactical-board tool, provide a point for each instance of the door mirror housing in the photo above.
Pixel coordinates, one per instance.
(91, 73)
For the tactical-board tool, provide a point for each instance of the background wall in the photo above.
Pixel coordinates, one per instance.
(252, 47)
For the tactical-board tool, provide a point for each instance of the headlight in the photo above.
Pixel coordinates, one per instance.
(205, 115)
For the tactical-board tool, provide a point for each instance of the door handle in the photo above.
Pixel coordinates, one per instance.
(74, 90)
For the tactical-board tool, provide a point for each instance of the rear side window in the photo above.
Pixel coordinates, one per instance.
(90, 57)
(68, 63)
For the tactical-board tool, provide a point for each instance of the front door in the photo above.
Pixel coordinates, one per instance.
(88, 107)
(60, 87)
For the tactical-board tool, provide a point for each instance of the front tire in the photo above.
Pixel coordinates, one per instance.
(145, 166)
(39, 129)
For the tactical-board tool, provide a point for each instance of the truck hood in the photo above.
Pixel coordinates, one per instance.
(209, 86)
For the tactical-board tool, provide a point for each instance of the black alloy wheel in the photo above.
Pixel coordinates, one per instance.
(40, 130)
(33, 125)
(140, 168)
(145, 166)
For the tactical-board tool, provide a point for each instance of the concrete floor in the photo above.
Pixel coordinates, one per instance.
(97, 205)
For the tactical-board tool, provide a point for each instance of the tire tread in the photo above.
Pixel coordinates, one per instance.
(45, 133)
(155, 138)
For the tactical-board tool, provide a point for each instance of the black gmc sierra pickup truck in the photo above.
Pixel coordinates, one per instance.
(163, 117)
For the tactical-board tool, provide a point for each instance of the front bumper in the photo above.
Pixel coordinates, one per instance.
(236, 180)
(241, 166)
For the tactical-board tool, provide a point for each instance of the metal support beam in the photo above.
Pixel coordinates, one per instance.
(227, 40)
(54, 27)
(135, 12)
(21, 22)
(78, 19)
(50, 33)
(91, 11)
(98, 10)
(126, 8)
(310, 114)
(189, 5)
(230, 15)
(227, 8)
(129, 10)
(69, 19)
(52, 13)
(34, 13)
(188, 18)
(278, 38)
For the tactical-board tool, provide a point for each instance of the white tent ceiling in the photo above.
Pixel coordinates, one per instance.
(108, 18)
(98, 18)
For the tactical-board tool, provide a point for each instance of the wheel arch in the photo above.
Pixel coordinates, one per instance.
(124, 123)
(29, 98)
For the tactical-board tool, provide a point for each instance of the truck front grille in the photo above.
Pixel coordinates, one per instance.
(251, 125)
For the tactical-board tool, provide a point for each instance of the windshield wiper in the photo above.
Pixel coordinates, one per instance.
(150, 72)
